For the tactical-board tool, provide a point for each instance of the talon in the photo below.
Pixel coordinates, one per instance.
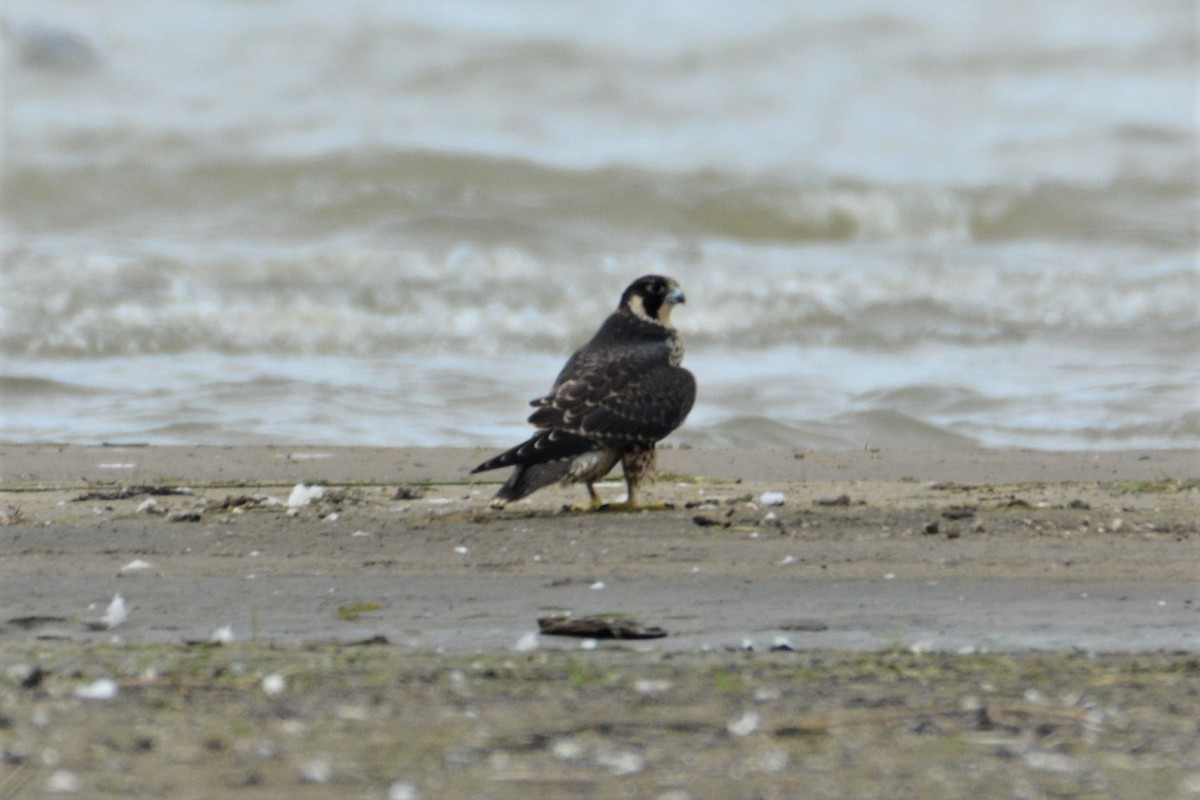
(636, 506)
(595, 502)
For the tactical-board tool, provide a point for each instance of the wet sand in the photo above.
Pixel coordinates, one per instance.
(947, 551)
(935, 625)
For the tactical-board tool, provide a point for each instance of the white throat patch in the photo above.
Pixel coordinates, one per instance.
(638, 308)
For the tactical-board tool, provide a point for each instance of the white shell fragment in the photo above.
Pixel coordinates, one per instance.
(744, 725)
(318, 770)
(62, 782)
(103, 689)
(403, 790)
(303, 495)
(116, 613)
(651, 686)
(621, 762)
(772, 498)
(527, 643)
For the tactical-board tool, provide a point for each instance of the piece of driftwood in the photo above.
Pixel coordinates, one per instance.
(127, 492)
(36, 621)
(598, 626)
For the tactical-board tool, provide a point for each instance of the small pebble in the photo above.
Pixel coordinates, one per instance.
(274, 683)
(771, 759)
(403, 790)
(527, 643)
(744, 725)
(263, 749)
(620, 762)
(1041, 761)
(566, 749)
(103, 689)
(319, 770)
(651, 686)
(62, 781)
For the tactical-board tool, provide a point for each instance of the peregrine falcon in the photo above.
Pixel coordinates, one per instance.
(615, 398)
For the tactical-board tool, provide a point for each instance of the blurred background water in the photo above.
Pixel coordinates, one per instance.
(899, 224)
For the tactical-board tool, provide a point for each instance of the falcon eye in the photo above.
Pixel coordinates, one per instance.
(657, 288)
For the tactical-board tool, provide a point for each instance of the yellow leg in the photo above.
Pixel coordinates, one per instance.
(595, 503)
(630, 503)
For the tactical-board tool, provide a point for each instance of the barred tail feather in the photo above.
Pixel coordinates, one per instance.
(528, 478)
(543, 446)
(544, 459)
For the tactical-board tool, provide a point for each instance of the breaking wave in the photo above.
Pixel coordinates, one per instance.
(440, 197)
(504, 299)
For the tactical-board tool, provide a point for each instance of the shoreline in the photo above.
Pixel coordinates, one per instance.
(958, 552)
(22, 465)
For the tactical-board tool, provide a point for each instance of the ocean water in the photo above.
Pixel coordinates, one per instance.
(899, 224)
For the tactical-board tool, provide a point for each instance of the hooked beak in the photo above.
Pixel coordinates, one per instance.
(676, 295)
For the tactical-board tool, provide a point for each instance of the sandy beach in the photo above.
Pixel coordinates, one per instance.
(1067, 565)
(951, 551)
(930, 529)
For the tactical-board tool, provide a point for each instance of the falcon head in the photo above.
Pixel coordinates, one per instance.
(652, 297)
